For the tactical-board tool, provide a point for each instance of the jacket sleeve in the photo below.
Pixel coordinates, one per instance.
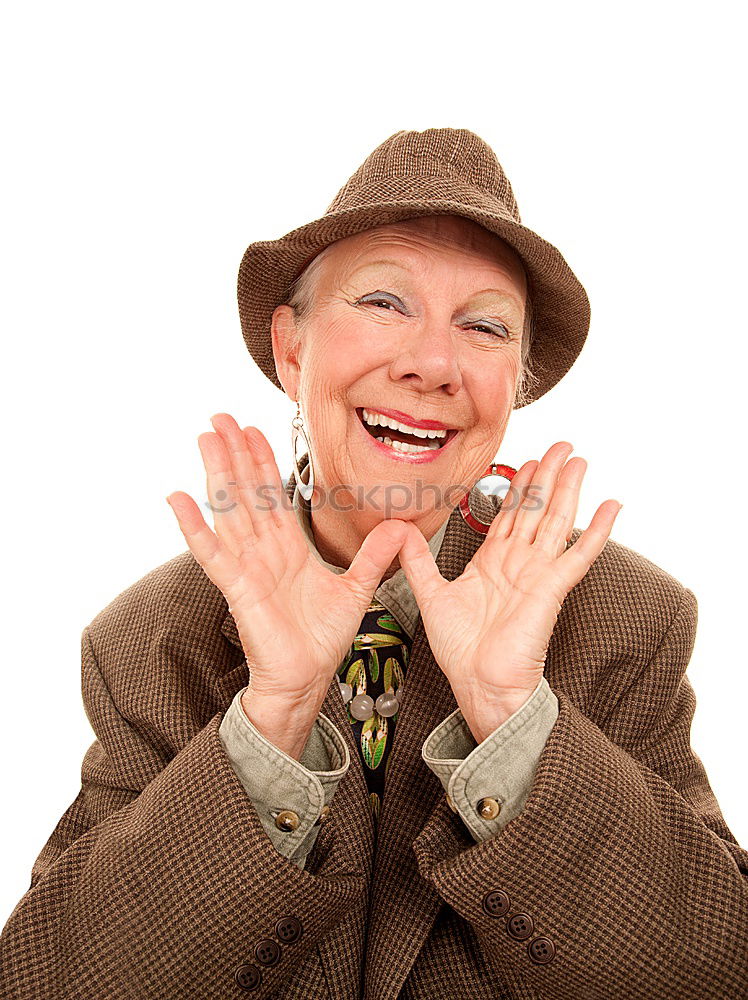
(498, 772)
(288, 795)
(620, 876)
(160, 886)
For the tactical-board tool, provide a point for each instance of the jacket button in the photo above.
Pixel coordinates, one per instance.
(495, 903)
(248, 977)
(542, 950)
(267, 951)
(322, 818)
(451, 804)
(489, 808)
(520, 926)
(288, 929)
(287, 820)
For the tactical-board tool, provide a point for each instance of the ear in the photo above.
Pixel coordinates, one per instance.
(286, 349)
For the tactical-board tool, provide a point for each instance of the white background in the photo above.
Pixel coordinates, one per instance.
(147, 144)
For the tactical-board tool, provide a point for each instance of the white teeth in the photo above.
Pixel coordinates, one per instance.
(405, 446)
(374, 419)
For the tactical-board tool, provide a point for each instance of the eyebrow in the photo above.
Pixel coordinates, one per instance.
(507, 296)
(379, 263)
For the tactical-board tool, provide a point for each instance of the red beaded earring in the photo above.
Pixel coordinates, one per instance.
(493, 470)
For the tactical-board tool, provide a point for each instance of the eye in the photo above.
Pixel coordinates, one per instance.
(385, 299)
(496, 330)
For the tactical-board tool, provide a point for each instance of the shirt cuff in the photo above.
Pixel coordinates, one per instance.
(276, 782)
(501, 768)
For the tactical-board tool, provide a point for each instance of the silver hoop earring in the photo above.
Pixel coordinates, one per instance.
(299, 431)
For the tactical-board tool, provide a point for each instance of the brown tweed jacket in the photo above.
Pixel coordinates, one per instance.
(160, 882)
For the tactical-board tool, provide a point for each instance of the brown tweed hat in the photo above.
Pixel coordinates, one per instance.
(440, 171)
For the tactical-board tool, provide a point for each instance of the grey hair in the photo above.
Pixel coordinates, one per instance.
(301, 300)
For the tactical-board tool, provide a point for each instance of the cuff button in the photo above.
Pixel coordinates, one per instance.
(520, 926)
(495, 903)
(287, 820)
(267, 952)
(542, 950)
(488, 808)
(288, 929)
(248, 977)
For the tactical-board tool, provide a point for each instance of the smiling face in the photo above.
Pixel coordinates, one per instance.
(414, 329)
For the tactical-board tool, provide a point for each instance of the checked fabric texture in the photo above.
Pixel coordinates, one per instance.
(375, 665)
(159, 880)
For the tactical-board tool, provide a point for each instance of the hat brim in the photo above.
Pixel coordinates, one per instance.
(560, 304)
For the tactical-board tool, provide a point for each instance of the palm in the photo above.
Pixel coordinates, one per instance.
(501, 609)
(490, 628)
(296, 619)
(328, 609)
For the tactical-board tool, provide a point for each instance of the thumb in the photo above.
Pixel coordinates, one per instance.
(419, 566)
(377, 551)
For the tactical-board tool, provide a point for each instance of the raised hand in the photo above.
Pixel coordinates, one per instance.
(295, 618)
(490, 628)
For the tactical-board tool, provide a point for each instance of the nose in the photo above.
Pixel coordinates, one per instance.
(428, 358)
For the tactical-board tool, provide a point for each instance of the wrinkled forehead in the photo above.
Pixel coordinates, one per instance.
(427, 234)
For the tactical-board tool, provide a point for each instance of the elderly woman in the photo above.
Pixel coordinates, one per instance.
(380, 734)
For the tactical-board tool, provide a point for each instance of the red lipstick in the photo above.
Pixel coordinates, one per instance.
(405, 418)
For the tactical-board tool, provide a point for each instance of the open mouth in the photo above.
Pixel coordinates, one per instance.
(401, 437)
